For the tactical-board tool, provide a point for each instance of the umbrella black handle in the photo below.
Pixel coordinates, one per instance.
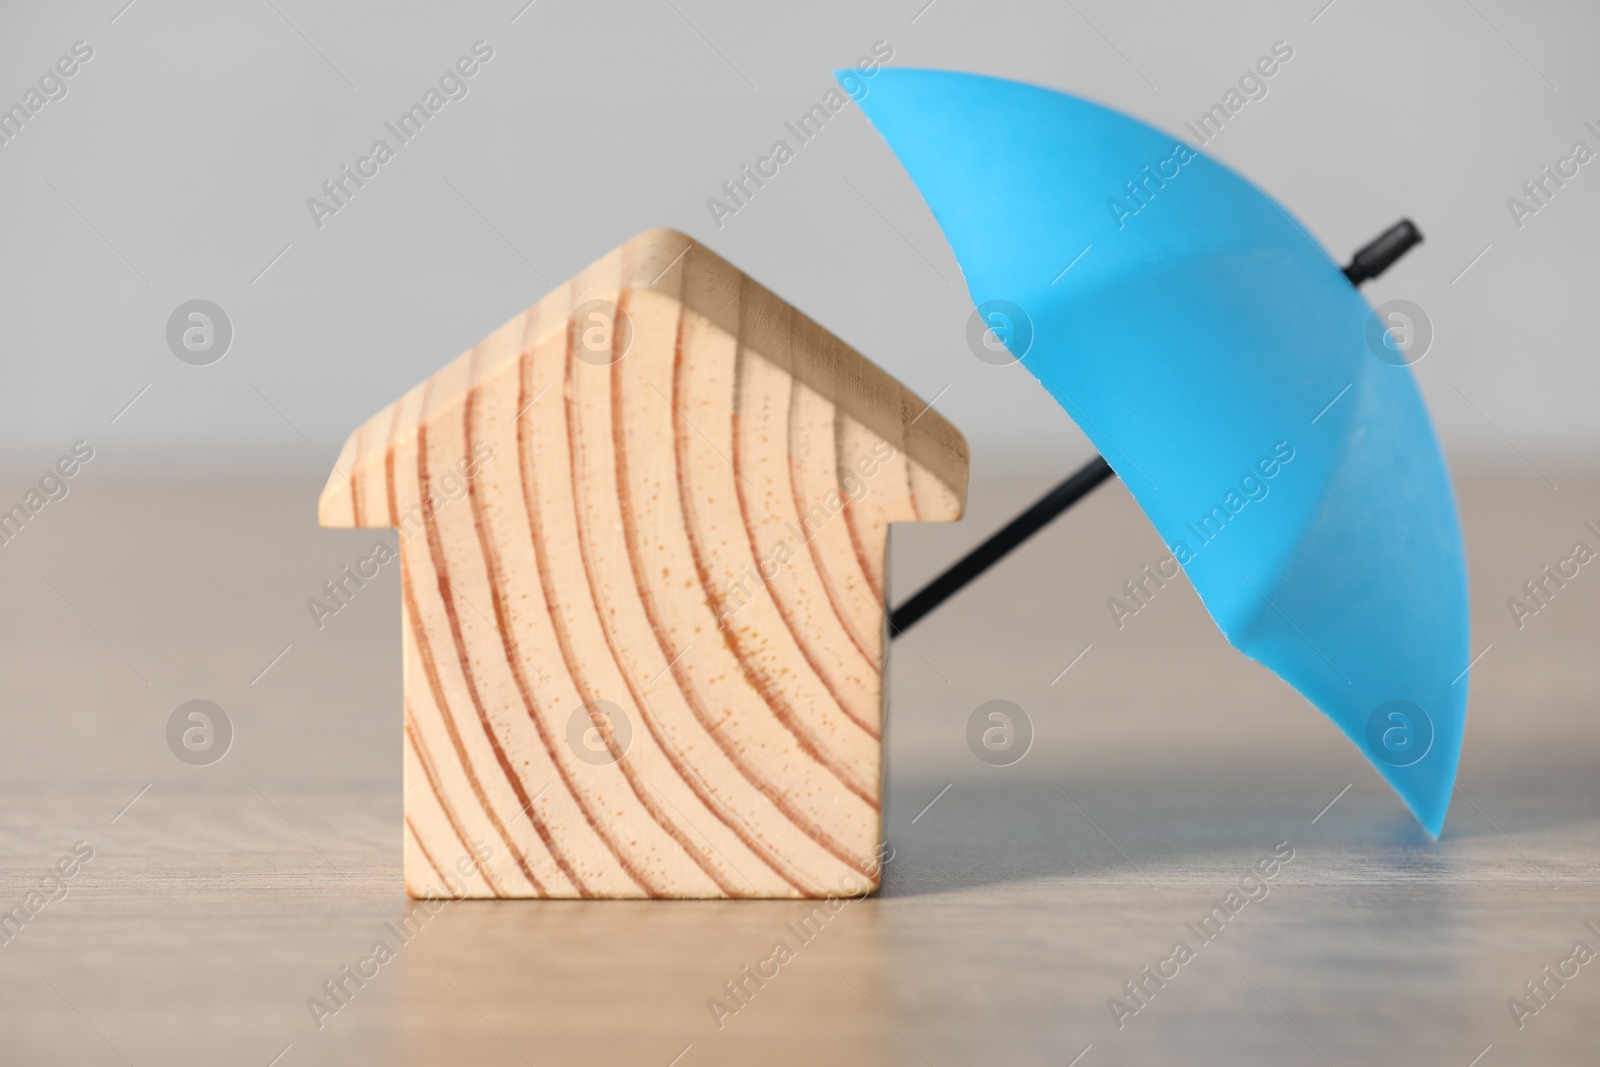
(1381, 254)
(1372, 260)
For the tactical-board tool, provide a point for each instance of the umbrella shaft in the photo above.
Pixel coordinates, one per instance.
(998, 545)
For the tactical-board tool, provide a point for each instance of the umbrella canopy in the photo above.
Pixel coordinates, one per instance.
(1235, 380)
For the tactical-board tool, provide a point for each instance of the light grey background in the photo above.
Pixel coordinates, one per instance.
(179, 165)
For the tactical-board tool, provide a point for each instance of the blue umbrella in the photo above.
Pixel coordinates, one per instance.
(1244, 391)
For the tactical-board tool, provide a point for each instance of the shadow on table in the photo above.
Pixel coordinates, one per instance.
(1166, 835)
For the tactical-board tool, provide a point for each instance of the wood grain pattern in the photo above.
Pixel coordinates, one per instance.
(643, 588)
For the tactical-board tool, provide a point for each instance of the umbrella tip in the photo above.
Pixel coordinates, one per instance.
(1434, 825)
(1381, 254)
(1428, 799)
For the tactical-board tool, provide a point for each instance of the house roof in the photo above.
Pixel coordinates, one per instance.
(675, 265)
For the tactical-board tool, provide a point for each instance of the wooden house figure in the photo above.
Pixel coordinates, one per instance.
(642, 535)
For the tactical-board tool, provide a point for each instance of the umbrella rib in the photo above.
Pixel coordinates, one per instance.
(1299, 631)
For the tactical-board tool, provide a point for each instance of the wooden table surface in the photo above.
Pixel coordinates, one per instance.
(1018, 901)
